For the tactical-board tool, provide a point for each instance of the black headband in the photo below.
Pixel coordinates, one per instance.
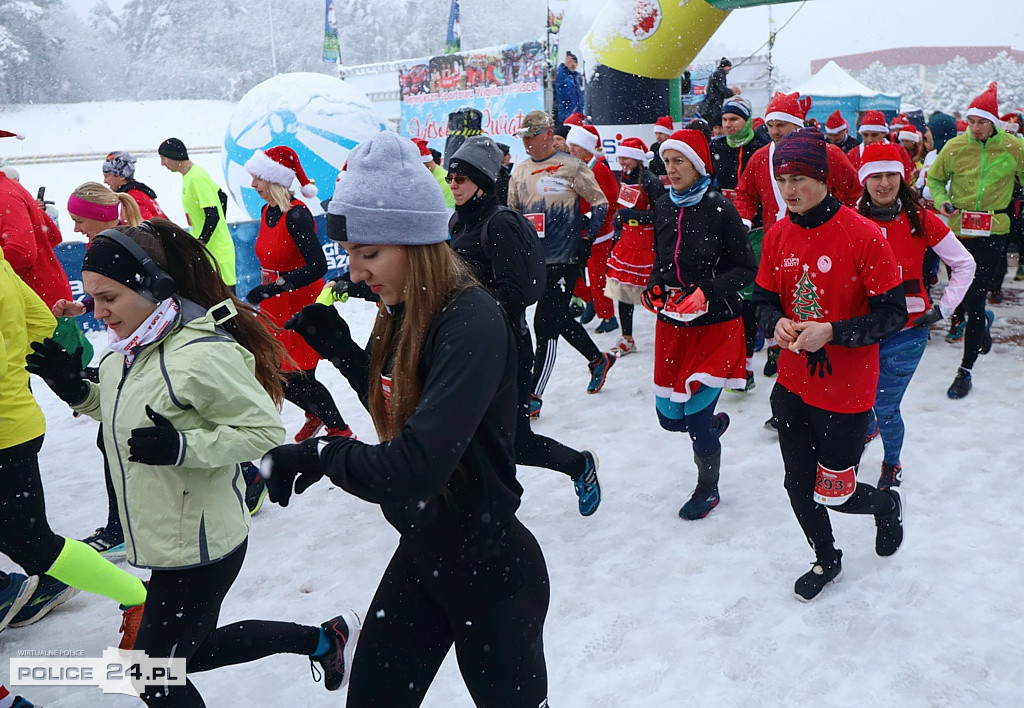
(107, 257)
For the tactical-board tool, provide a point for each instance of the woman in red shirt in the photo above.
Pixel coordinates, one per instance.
(293, 265)
(119, 175)
(910, 230)
(829, 289)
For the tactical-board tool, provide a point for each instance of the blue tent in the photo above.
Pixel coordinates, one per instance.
(832, 88)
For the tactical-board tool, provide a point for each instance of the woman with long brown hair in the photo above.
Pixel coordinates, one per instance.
(440, 385)
(187, 392)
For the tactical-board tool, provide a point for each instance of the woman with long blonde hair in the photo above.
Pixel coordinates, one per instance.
(440, 384)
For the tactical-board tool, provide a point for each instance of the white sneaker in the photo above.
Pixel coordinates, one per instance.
(624, 346)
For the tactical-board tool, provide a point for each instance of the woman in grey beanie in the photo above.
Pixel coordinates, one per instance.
(440, 384)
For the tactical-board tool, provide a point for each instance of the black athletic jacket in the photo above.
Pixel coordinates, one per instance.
(711, 252)
(447, 482)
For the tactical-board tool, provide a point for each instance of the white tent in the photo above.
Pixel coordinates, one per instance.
(832, 88)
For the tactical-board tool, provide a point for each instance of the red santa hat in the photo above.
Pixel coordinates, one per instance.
(835, 123)
(986, 105)
(664, 125)
(280, 165)
(879, 158)
(909, 132)
(425, 153)
(9, 134)
(584, 136)
(634, 148)
(873, 122)
(787, 107)
(899, 123)
(694, 146)
(575, 119)
(1012, 123)
(961, 127)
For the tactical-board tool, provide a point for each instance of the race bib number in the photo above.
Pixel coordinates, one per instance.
(832, 488)
(666, 181)
(729, 194)
(268, 276)
(916, 302)
(538, 223)
(629, 195)
(975, 223)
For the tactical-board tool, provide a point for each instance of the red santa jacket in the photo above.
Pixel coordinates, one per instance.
(757, 185)
(28, 236)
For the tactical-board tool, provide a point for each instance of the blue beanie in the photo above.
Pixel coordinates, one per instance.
(943, 129)
(386, 197)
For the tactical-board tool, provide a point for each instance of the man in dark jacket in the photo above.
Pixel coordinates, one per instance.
(490, 239)
(715, 94)
(568, 89)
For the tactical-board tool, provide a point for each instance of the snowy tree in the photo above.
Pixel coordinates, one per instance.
(1010, 75)
(903, 81)
(28, 51)
(956, 84)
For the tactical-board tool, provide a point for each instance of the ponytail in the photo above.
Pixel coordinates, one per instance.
(188, 261)
(130, 213)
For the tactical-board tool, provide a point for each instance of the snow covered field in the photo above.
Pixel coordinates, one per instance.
(646, 609)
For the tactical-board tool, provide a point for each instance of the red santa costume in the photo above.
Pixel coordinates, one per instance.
(589, 139)
(757, 186)
(874, 122)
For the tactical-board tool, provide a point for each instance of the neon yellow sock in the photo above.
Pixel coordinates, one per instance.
(80, 565)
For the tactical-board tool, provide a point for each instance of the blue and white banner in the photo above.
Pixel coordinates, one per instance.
(503, 83)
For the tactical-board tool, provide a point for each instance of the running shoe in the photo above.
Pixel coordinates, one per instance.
(889, 527)
(108, 543)
(340, 433)
(588, 313)
(771, 366)
(15, 594)
(986, 340)
(700, 504)
(961, 385)
(342, 633)
(956, 329)
(810, 584)
(609, 325)
(50, 593)
(535, 404)
(891, 476)
(588, 488)
(599, 371)
(310, 428)
(624, 346)
(996, 297)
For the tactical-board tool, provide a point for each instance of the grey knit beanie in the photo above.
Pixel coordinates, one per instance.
(479, 158)
(386, 197)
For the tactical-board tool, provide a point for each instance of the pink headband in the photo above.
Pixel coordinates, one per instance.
(92, 210)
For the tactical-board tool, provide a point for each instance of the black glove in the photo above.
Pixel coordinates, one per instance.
(62, 371)
(290, 466)
(583, 249)
(818, 363)
(344, 286)
(160, 445)
(262, 292)
(930, 317)
(324, 330)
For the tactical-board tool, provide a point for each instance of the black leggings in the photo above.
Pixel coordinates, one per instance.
(531, 449)
(113, 516)
(626, 318)
(180, 620)
(552, 320)
(493, 611)
(25, 534)
(988, 257)
(302, 389)
(809, 436)
(749, 327)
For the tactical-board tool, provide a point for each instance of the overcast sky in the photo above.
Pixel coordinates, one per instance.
(820, 28)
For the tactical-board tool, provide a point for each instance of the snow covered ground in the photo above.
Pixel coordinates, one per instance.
(646, 609)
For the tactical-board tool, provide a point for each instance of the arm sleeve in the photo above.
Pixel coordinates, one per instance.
(466, 360)
(962, 267)
(19, 239)
(241, 421)
(767, 309)
(938, 179)
(736, 266)
(887, 315)
(210, 218)
(91, 405)
(39, 321)
(302, 229)
(505, 249)
(747, 199)
(597, 214)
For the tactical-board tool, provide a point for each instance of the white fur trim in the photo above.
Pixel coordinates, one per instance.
(878, 167)
(663, 130)
(979, 113)
(910, 135)
(789, 118)
(427, 158)
(309, 190)
(869, 128)
(691, 155)
(260, 165)
(834, 131)
(634, 153)
(582, 138)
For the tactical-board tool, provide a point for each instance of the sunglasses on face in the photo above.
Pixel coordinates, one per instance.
(457, 179)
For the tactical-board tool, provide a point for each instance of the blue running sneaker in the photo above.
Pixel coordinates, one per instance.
(50, 593)
(956, 329)
(535, 404)
(700, 504)
(609, 325)
(15, 594)
(986, 341)
(588, 313)
(108, 543)
(599, 370)
(588, 489)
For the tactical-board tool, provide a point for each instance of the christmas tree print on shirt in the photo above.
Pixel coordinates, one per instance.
(805, 299)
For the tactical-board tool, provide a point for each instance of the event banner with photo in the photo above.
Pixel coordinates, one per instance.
(503, 83)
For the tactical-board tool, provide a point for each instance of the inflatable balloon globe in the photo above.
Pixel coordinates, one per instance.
(319, 116)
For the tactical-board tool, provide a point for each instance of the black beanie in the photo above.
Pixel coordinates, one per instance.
(173, 148)
(463, 167)
(562, 131)
(107, 257)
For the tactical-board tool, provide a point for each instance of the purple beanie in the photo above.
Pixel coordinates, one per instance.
(802, 152)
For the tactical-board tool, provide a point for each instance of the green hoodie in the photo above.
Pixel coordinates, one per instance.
(203, 381)
(979, 175)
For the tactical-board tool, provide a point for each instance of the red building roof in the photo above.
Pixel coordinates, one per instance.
(926, 56)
